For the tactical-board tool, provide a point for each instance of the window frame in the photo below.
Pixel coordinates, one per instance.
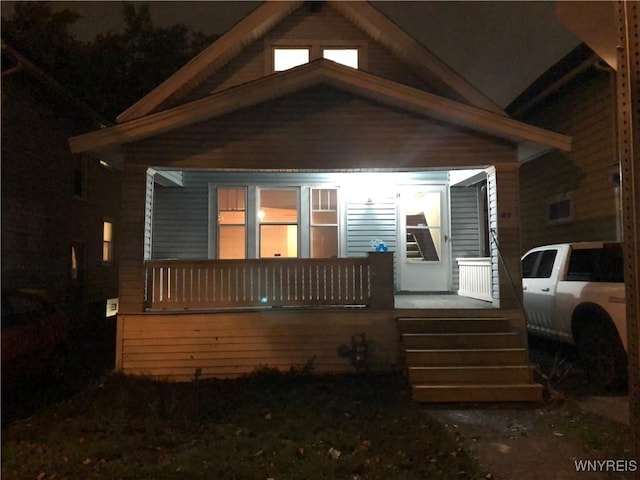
(222, 225)
(275, 48)
(313, 225)
(81, 165)
(323, 48)
(110, 242)
(260, 222)
(556, 200)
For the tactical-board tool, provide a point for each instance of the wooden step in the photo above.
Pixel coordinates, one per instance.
(441, 341)
(477, 393)
(454, 325)
(462, 357)
(497, 375)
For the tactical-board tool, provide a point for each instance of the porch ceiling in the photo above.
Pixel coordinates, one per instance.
(319, 72)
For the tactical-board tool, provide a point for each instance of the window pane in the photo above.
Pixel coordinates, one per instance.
(324, 242)
(286, 58)
(528, 263)
(106, 252)
(278, 206)
(324, 206)
(107, 233)
(74, 263)
(546, 264)
(232, 242)
(278, 241)
(344, 56)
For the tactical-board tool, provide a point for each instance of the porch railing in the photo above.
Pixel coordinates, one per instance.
(475, 278)
(184, 284)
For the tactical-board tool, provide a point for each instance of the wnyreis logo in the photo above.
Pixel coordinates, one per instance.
(606, 465)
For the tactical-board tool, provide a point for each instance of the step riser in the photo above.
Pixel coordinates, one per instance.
(466, 376)
(453, 325)
(430, 358)
(460, 341)
(513, 393)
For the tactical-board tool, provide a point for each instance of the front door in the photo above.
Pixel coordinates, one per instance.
(423, 257)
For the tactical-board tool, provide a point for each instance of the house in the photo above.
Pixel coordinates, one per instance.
(575, 195)
(60, 212)
(287, 183)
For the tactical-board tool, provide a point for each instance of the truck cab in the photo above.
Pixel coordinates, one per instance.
(574, 293)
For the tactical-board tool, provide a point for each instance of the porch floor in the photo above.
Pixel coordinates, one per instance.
(440, 300)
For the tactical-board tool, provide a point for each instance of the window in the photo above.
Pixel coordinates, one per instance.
(528, 264)
(107, 242)
(74, 263)
(286, 58)
(79, 179)
(278, 219)
(560, 209)
(538, 264)
(232, 217)
(344, 56)
(597, 264)
(324, 222)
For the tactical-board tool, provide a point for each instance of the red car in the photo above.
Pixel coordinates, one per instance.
(34, 338)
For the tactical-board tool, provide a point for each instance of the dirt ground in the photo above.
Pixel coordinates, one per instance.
(544, 441)
(523, 443)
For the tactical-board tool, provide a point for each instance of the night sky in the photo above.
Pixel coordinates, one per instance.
(501, 47)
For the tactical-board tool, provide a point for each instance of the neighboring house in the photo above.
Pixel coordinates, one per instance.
(260, 178)
(60, 212)
(572, 196)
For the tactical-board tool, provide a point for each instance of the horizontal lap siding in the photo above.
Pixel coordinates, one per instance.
(228, 345)
(319, 127)
(301, 28)
(585, 111)
(181, 218)
(465, 228)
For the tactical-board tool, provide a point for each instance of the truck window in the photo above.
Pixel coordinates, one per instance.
(596, 265)
(528, 264)
(546, 264)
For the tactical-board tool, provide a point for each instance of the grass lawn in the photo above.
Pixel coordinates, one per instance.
(267, 425)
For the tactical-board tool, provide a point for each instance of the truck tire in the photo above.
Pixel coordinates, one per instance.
(602, 355)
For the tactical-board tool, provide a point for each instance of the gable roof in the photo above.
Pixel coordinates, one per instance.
(266, 16)
(318, 72)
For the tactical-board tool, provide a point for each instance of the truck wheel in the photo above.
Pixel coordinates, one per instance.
(602, 355)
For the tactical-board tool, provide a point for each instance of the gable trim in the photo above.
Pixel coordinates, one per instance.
(317, 72)
(246, 31)
(254, 26)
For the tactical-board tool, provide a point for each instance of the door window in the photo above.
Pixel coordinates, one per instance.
(422, 221)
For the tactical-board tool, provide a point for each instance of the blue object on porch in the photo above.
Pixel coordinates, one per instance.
(264, 299)
(379, 245)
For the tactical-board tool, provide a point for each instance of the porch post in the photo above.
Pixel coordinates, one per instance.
(381, 271)
(505, 234)
(131, 238)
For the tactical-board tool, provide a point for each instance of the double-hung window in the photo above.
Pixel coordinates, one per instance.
(278, 220)
(324, 222)
(232, 219)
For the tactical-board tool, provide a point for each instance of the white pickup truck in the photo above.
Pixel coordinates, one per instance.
(574, 292)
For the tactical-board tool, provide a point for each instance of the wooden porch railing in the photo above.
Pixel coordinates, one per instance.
(184, 284)
(475, 278)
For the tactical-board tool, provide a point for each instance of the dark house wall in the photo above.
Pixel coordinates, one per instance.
(587, 175)
(41, 217)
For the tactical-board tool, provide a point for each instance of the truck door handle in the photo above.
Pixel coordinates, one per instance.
(524, 289)
(545, 289)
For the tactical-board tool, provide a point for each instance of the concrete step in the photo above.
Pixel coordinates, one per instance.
(453, 325)
(442, 341)
(460, 375)
(477, 393)
(465, 357)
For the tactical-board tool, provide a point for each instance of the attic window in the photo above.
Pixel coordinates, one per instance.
(286, 58)
(344, 56)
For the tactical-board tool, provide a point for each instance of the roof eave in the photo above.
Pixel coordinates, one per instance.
(320, 71)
